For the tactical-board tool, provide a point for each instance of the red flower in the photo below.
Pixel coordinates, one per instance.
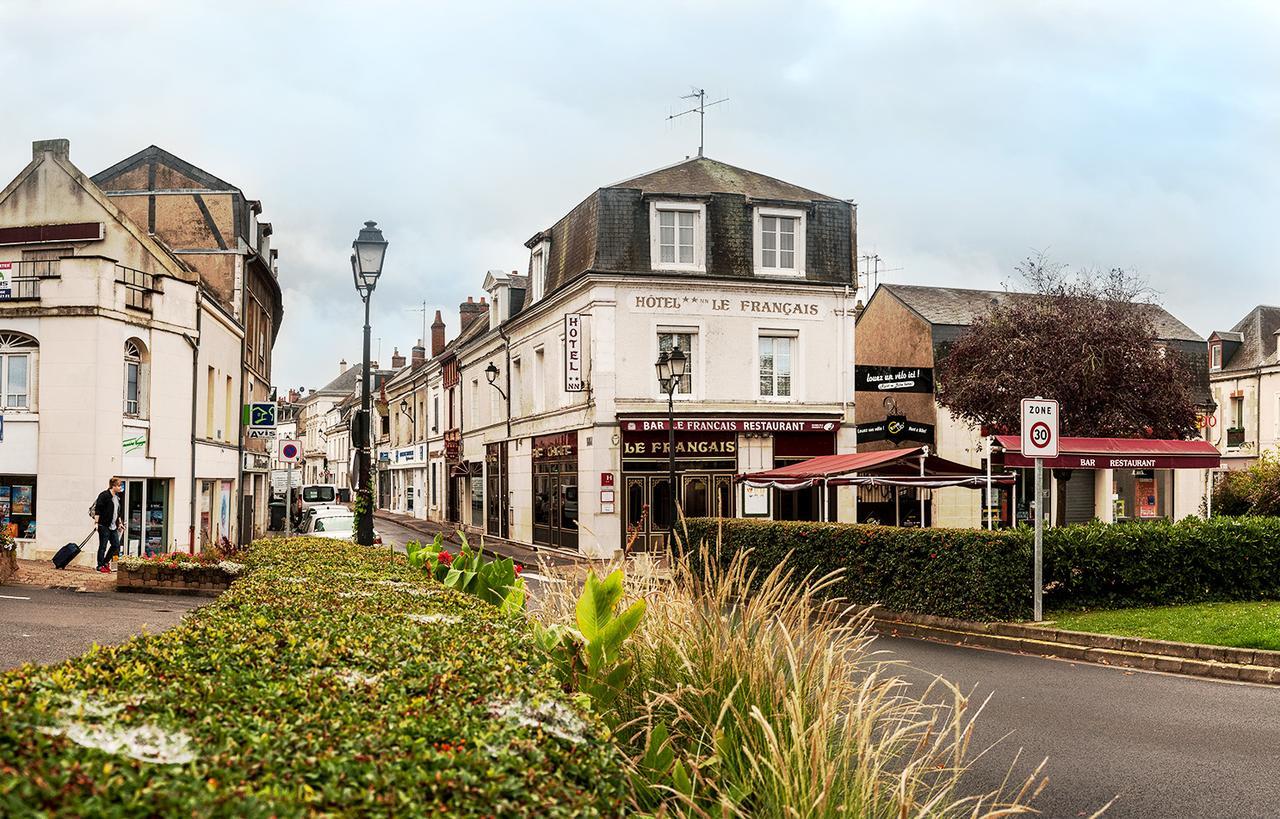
(519, 568)
(444, 557)
(933, 554)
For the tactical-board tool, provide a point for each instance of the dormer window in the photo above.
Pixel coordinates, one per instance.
(779, 242)
(1215, 355)
(538, 270)
(677, 236)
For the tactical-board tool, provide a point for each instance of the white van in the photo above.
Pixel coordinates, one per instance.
(319, 494)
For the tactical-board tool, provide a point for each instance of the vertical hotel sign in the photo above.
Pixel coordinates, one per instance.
(573, 352)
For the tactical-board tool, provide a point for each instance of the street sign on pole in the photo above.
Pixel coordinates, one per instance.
(290, 450)
(1039, 441)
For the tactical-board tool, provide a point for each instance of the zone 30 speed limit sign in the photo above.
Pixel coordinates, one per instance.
(1039, 428)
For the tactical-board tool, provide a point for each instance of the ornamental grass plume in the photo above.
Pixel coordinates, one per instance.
(749, 698)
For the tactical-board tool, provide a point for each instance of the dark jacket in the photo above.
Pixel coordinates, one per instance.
(103, 508)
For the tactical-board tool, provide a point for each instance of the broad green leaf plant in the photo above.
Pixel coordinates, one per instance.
(497, 582)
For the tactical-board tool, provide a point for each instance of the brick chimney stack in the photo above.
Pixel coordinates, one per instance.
(57, 147)
(469, 311)
(437, 336)
(397, 360)
(342, 366)
(418, 354)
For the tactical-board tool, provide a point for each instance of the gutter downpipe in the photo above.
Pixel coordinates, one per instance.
(244, 328)
(506, 345)
(195, 375)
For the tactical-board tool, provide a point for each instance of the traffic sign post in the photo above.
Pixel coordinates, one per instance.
(1039, 441)
(290, 452)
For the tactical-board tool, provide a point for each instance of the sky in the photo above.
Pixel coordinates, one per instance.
(1143, 135)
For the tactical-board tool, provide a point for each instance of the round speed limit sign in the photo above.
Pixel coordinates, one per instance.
(1040, 434)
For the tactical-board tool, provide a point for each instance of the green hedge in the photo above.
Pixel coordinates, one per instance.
(328, 680)
(979, 574)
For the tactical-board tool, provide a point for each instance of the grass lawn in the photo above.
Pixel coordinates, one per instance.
(1241, 625)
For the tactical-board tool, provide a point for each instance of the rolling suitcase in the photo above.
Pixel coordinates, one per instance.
(69, 552)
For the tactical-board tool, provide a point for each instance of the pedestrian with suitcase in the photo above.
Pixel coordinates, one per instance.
(106, 510)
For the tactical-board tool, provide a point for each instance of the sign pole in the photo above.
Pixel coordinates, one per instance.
(1038, 602)
(288, 503)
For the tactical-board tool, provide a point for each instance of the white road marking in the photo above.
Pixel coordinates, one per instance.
(12, 597)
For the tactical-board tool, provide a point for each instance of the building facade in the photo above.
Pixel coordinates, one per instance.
(216, 230)
(902, 334)
(1244, 373)
(546, 421)
(117, 362)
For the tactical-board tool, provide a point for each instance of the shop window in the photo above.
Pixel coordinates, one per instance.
(684, 340)
(17, 371)
(775, 366)
(18, 505)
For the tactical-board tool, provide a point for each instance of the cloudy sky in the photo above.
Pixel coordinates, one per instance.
(1142, 135)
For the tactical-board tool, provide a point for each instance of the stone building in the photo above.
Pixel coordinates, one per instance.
(215, 229)
(116, 360)
(1244, 372)
(903, 333)
(546, 421)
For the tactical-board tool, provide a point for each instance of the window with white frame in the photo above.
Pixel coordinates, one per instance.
(685, 341)
(538, 270)
(135, 379)
(779, 241)
(1215, 355)
(677, 236)
(776, 358)
(17, 371)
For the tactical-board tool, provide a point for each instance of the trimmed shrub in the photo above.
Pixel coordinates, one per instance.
(329, 680)
(986, 575)
(971, 573)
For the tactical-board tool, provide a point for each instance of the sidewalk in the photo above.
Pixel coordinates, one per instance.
(41, 573)
(519, 552)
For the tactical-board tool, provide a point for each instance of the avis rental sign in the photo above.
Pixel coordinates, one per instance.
(573, 352)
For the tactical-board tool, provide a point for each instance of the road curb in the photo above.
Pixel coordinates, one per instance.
(1214, 662)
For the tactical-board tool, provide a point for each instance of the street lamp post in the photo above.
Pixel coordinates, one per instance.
(671, 371)
(369, 250)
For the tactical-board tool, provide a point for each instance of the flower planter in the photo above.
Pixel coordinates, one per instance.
(193, 579)
(8, 564)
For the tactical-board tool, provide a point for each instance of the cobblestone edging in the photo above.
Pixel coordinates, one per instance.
(204, 582)
(8, 564)
(1217, 662)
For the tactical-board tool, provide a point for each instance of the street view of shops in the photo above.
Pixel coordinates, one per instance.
(444, 411)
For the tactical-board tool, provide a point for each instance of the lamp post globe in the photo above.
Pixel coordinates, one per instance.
(368, 252)
(671, 367)
(491, 372)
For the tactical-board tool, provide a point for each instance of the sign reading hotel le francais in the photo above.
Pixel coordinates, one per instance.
(731, 305)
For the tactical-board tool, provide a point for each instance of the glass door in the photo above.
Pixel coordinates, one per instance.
(134, 502)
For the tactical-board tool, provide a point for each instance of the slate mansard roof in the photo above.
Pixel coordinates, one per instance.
(958, 307)
(1255, 337)
(702, 176)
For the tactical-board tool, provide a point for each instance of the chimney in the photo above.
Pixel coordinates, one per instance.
(293, 396)
(342, 366)
(469, 311)
(397, 360)
(419, 353)
(437, 336)
(57, 147)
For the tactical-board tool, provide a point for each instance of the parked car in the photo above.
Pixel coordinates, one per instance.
(334, 522)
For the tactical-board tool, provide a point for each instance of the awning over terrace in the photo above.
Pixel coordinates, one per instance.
(893, 467)
(1118, 453)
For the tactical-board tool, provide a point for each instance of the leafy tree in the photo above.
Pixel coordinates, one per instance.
(1252, 491)
(1087, 339)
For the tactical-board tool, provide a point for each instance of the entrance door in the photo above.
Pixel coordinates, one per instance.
(146, 514)
(134, 503)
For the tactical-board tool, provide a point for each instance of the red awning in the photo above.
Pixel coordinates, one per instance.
(1118, 453)
(891, 467)
(830, 466)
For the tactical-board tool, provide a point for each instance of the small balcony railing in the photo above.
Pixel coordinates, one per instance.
(1235, 437)
(138, 286)
(22, 279)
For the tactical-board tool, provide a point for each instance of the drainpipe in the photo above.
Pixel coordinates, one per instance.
(244, 324)
(506, 344)
(195, 391)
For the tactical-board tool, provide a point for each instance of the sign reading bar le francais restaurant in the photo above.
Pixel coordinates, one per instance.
(731, 425)
(573, 352)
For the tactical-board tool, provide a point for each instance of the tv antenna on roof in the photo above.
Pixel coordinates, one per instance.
(423, 310)
(699, 94)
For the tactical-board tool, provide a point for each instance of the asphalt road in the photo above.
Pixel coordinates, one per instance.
(50, 625)
(1159, 745)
